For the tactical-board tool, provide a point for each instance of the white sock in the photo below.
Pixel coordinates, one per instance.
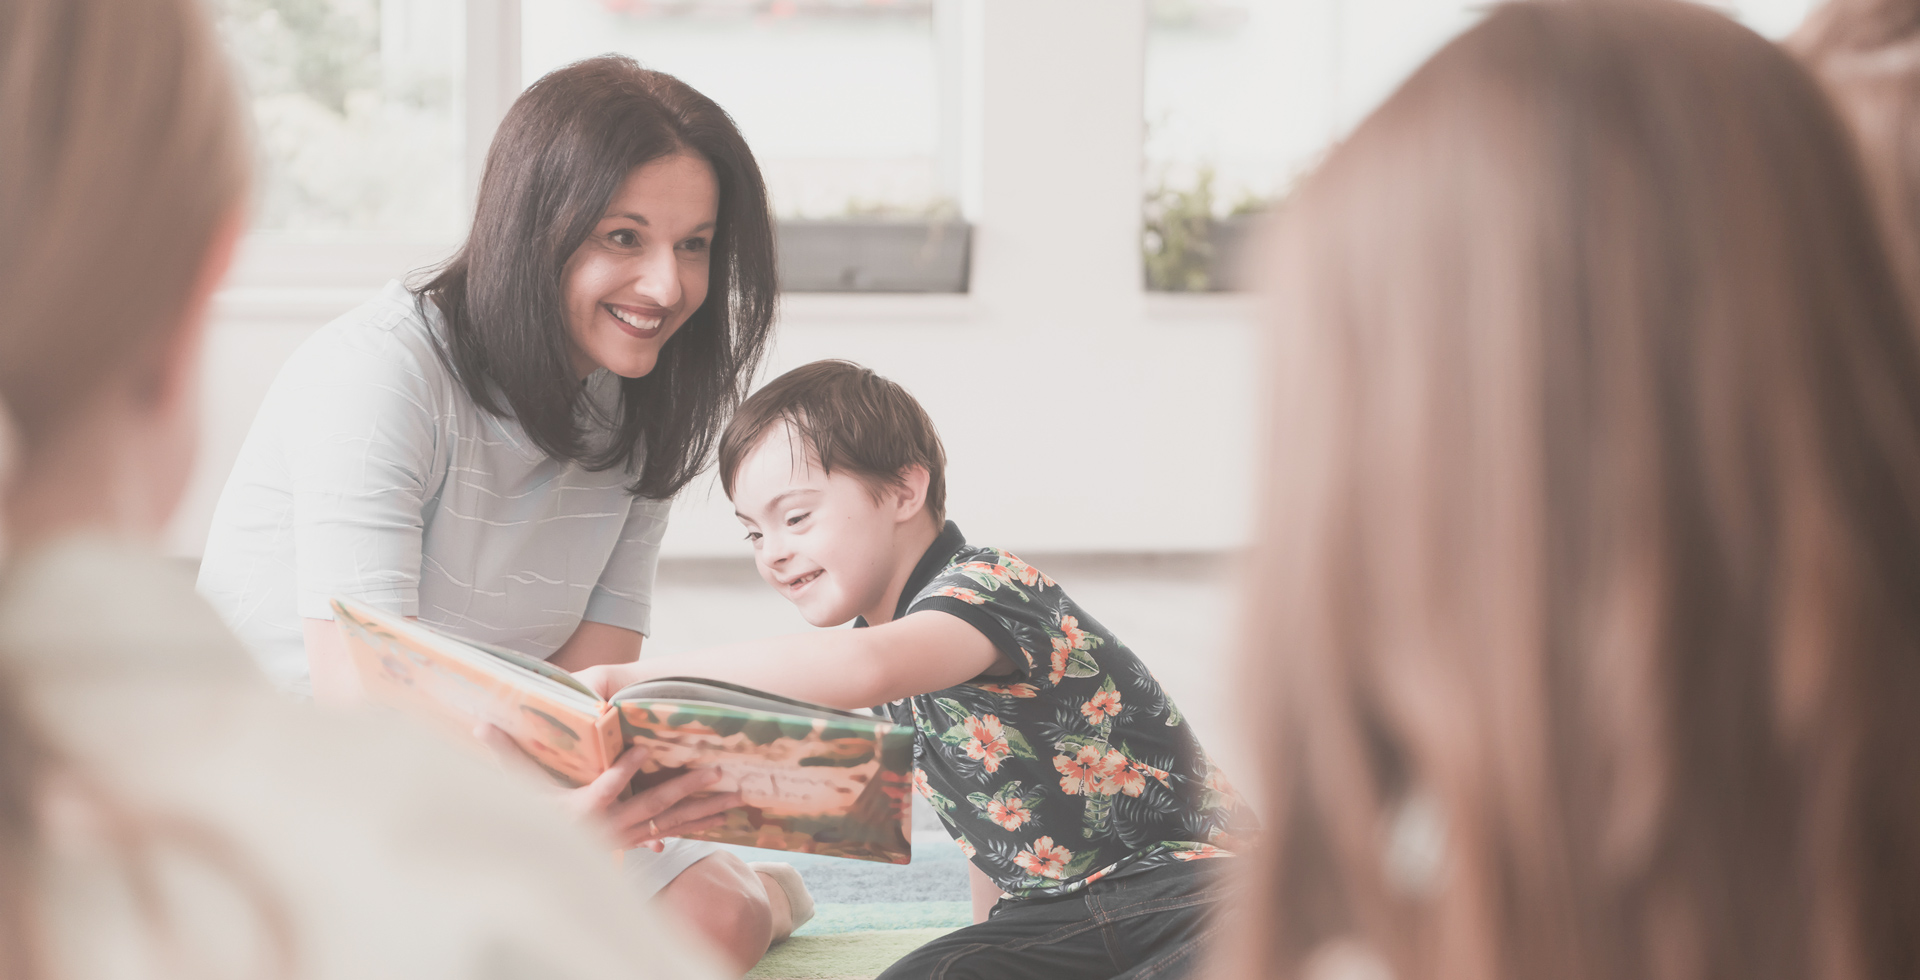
(799, 900)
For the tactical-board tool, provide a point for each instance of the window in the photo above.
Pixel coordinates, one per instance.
(354, 102)
(1244, 96)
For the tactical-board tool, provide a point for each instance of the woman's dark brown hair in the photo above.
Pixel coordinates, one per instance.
(559, 156)
(1868, 54)
(1587, 629)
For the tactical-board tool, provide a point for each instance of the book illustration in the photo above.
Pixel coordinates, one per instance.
(814, 779)
(816, 785)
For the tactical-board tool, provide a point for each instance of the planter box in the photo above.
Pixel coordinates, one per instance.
(1233, 245)
(854, 255)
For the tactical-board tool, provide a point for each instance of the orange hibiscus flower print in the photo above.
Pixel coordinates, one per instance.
(1044, 859)
(967, 596)
(986, 741)
(1128, 781)
(1081, 773)
(998, 573)
(1009, 814)
(1103, 705)
(1024, 573)
(966, 847)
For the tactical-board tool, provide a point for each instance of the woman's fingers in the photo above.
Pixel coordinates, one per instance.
(654, 800)
(601, 794)
(641, 837)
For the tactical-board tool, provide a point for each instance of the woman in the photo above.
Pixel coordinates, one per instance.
(494, 452)
(1590, 642)
(162, 811)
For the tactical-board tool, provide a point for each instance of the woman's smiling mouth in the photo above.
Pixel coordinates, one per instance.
(639, 326)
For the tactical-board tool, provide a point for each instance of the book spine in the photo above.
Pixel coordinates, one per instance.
(611, 741)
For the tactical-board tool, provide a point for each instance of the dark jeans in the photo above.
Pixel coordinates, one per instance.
(1155, 924)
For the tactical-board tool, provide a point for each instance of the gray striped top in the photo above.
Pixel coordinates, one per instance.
(369, 473)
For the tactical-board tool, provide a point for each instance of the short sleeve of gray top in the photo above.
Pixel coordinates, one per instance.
(371, 474)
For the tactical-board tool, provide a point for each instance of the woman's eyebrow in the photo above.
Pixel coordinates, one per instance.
(641, 219)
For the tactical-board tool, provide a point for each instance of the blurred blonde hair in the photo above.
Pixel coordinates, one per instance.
(123, 155)
(1587, 629)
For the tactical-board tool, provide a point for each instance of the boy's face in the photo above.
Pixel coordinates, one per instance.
(821, 540)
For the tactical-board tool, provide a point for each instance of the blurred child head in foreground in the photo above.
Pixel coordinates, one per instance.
(837, 473)
(1586, 603)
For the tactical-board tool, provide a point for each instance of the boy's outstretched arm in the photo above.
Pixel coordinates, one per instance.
(840, 668)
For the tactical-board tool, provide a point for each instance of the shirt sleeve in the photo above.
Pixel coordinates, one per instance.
(1008, 602)
(624, 595)
(360, 438)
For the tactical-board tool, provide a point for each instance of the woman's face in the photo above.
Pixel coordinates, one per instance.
(643, 269)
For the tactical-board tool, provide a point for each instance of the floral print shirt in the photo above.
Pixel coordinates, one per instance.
(1075, 767)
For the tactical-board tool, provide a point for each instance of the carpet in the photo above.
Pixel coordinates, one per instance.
(841, 956)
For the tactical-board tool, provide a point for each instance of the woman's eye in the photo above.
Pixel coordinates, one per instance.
(695, 244)
(624, 238)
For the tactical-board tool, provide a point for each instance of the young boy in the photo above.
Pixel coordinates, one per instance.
(1058, 763)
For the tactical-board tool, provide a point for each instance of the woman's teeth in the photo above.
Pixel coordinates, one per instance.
(636, 322)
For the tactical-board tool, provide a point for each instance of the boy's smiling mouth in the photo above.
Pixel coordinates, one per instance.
(801, 582)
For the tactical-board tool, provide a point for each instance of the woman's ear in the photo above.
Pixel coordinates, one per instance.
(910, 493)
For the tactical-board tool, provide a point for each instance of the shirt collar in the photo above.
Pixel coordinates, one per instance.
(936, 557)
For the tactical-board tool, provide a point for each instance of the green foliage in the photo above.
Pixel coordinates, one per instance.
(1180, 240)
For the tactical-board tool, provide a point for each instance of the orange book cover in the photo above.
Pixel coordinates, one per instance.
(815, 779)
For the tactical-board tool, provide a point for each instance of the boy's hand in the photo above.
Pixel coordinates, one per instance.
(644, 819)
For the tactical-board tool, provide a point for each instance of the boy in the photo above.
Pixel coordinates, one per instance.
(1054, 758)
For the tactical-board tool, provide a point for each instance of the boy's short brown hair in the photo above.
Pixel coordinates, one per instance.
(850, 419)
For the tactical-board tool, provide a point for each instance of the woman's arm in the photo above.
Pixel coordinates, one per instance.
(593, 644)
(851, 668)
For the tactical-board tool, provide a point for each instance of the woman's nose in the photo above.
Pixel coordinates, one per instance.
(658, 278)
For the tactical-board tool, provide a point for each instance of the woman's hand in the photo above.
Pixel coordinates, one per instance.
(644, 819)
(606, 680)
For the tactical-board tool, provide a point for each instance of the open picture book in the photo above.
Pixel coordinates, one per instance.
(814, 779)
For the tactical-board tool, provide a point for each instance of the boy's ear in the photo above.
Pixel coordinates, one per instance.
(910, 492)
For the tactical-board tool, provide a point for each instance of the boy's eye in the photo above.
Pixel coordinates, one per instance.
(797, 518)
(753, 536)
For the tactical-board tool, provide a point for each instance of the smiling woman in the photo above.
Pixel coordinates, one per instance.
(493, 451)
